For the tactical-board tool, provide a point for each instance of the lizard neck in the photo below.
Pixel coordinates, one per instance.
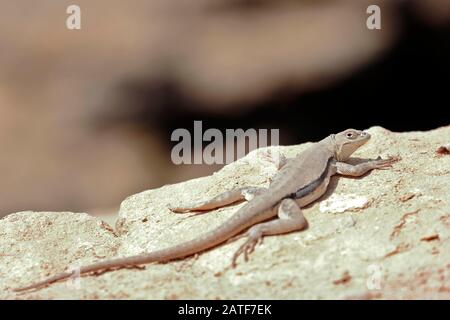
(329, 143)
(336, 148)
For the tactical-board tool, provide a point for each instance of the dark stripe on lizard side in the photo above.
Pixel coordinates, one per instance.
(300, 193)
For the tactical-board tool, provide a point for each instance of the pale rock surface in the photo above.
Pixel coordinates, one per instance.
(385, 235)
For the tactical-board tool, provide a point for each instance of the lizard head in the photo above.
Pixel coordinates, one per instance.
(348, 141)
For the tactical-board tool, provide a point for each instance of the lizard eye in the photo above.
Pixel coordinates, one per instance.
(349, 135)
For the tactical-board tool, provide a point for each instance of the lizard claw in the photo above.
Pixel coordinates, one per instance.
(254, 238)
(386, 163)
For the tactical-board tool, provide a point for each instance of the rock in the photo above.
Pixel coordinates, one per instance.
(384, 235)
(343, 202)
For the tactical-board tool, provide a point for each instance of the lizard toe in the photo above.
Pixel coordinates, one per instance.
(254, 238)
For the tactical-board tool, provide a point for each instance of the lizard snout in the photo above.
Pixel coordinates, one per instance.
(365, 134)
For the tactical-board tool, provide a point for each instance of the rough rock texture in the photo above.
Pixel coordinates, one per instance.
(385, 235)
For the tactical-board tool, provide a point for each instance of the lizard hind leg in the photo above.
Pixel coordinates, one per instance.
(221, 200)
(290, 218)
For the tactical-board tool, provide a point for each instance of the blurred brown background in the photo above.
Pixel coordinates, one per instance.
(86, 116)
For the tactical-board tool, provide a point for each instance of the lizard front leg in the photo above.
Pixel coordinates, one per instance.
(360, 169)
(221, 200)
(290, 219)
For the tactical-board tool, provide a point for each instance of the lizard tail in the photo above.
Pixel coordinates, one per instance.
(61, 276)
(171, 253)
(236, 224)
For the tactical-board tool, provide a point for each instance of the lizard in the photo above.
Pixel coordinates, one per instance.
(300, 181)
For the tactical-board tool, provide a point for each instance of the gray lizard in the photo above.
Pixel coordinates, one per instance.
(300, 181)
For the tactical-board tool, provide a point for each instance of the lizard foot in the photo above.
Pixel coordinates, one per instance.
(254, 237)
(380, 163)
